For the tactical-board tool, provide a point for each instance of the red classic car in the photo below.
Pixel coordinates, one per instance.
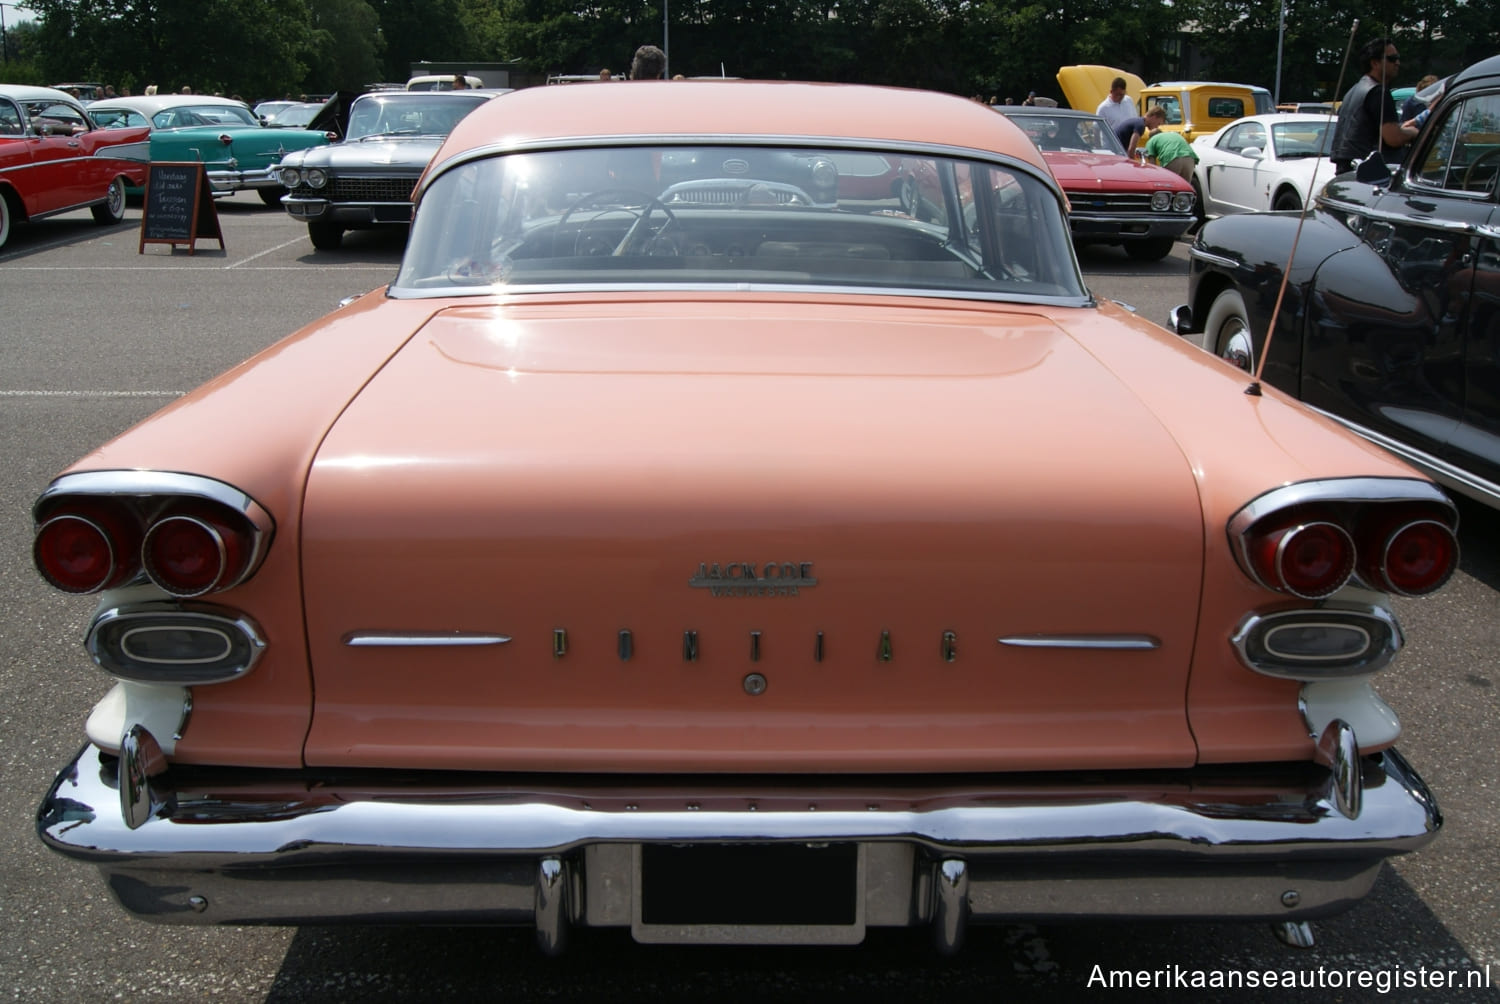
(686, 553)
(1112, 199)
(53, 159)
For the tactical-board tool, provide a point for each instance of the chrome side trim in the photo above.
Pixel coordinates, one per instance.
(417, 639)
(1119, 642)
(1454, 477)
(1209, 258)
(1361, 209)
(998, 296)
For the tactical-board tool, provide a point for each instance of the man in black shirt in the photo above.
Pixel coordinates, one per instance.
(1367, 117)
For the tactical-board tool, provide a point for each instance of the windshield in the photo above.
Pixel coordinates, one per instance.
(419, 113)
(295, 116)
(741, 214)
(1070, 134)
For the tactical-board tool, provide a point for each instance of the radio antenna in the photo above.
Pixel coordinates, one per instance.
(1265, 350)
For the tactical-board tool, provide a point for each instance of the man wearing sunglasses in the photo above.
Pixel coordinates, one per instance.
(1367, 117)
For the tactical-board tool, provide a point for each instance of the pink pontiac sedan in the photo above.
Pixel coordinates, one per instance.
(674, 546)
(54, 159)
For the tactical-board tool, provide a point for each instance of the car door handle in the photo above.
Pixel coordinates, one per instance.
(73, 143)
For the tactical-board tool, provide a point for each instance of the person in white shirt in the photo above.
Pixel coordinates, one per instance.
(1118, 106)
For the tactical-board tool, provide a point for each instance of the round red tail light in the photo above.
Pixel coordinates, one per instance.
(1308, 560)
(1417, 558)
(75, 554)
(191, 555)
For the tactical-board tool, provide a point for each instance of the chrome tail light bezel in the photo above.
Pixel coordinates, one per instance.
(113, 632)
(1370, 510)
(139, 500)
(1255, 641)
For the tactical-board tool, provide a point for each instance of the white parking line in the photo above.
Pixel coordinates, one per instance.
(287, 244)
(91, 393)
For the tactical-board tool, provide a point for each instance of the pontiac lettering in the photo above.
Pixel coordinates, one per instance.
(749, 578)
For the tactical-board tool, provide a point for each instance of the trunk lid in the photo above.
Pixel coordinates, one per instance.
(856, 502)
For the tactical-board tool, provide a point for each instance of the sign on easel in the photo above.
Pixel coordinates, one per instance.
(179, 207)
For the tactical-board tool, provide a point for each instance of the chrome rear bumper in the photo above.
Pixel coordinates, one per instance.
(668, 857)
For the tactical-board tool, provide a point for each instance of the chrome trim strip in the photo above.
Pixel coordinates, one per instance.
(1358, 489)
(417, 639)
(927, 293)
(1454, 477)
(1360, 209)
(1213, 259)
(1118, 642)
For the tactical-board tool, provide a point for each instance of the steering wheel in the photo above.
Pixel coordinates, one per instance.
(640, 231)
(1469, 171)
(637, 203)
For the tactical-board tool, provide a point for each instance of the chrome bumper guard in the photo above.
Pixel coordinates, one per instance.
(222, 182)
(762, 859)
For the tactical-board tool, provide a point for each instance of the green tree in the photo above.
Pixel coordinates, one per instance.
(344, 52)
(246, 46)
(418, 30)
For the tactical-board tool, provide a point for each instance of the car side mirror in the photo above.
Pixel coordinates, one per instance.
(1253, 152)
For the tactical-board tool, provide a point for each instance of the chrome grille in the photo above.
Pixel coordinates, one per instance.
(370, 189)
(728, 196)
(1111, 202)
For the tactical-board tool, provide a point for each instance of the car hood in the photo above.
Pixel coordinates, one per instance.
(818, 491)
(1108, 172)
(408, 152)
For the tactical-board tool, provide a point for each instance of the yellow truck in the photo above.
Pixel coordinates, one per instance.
(1194, 107)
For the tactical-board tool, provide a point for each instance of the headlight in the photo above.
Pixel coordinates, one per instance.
(290, 177)
(316, 177)
(1161, 201)
(1182, 202)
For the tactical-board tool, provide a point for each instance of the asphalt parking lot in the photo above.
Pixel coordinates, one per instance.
(96, 335)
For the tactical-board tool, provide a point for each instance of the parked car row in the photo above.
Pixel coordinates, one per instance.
(695, 541)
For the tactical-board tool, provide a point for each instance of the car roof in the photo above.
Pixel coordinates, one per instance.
(706, 111)
(149, 105)
(1283, 118)
(25, 92)
(1484, 68)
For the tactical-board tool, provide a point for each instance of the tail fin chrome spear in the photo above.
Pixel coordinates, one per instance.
(1265, 350)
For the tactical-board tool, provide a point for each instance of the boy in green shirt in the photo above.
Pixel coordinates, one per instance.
(1168, 149)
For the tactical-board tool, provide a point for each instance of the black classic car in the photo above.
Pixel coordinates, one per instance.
(366, 181)
(1391, 318)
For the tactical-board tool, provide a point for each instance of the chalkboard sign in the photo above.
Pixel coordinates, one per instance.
(179, 207)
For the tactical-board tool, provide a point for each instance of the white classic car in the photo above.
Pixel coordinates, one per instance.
(1263, 162)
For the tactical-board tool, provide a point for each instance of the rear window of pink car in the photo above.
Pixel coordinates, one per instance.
(723, 214)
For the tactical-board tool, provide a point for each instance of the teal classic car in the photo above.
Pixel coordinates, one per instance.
(237, 151)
